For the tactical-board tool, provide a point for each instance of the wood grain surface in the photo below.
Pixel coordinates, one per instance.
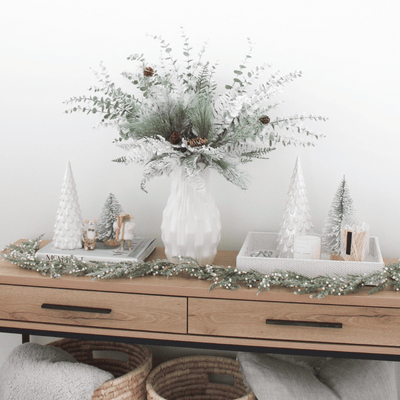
(295, 322)
(128, 311)
(183, 309)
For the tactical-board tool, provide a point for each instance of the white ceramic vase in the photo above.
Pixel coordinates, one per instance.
(191, 224)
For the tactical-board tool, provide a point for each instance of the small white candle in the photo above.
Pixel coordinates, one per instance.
(307, 247)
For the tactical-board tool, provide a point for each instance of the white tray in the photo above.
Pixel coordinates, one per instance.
(266, 241)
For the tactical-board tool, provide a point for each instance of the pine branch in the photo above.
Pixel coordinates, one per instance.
(121, 160)
(231, 173)
(201, 117)
(259, 153)
(202, 84)
(159, 166)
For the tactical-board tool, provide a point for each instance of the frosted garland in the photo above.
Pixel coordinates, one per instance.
(23, 255)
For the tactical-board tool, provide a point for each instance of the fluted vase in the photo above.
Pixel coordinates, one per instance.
(191, 224)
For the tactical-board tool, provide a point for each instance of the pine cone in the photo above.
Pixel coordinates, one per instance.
(148, 71)
(195, 142)
(174, 138)
(264, 120)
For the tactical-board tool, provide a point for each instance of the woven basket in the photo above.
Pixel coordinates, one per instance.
(188, 378)
(130, 375)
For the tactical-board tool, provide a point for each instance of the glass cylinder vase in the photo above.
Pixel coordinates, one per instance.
(191, 224)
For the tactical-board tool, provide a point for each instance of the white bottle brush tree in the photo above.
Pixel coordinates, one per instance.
(296, 217)
(342, 206)
(68, 228)
(109, 213)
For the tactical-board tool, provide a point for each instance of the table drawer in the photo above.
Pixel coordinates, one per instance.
(295, 322)
(94, 309)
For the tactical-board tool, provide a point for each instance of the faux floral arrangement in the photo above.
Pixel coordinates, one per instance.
(177, 116)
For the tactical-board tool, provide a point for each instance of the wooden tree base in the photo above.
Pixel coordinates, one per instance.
(112, 243)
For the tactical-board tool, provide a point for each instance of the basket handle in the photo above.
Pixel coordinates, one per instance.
(229, 375)
(76, 308)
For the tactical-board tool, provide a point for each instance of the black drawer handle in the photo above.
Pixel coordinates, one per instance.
(335, 325)
(77, 308)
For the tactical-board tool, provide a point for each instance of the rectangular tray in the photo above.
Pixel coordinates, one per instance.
(266, 241)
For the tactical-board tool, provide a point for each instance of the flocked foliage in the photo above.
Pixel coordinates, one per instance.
(342, 206)
(231, 278)
(109, 213)
(170, 104)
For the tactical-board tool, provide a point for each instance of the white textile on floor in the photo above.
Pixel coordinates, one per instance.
(36, 372)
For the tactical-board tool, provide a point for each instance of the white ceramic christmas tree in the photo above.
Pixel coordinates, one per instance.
(296, 217)
(68, 228)
(342, 207)
(111, 209)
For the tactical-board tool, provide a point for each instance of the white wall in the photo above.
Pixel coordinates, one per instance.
(347, 50)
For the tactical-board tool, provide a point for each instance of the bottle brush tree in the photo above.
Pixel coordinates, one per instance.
(109, 213)
(342, 206)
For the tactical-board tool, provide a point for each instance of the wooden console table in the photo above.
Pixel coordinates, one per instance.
(182, 311)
